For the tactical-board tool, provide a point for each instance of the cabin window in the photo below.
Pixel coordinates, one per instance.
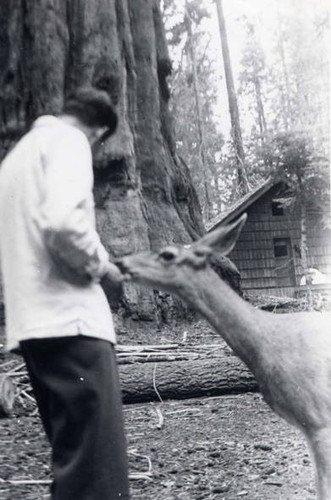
(277, 208)
(281, 247)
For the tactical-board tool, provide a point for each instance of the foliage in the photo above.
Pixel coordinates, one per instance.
(291, 157)
(287, 96)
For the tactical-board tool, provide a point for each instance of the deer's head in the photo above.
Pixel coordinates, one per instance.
(171, 267)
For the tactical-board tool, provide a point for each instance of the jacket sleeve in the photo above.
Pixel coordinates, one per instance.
(67, 209)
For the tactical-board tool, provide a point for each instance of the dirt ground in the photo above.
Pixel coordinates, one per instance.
(214, 448)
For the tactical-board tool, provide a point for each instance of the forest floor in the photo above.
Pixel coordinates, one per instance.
(225, 447)
(213, 448)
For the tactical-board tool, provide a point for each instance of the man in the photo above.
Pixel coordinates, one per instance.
(57, 315)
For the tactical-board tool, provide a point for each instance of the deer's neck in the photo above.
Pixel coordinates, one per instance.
(242, 326)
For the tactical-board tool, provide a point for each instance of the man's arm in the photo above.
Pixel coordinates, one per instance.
(66, 219)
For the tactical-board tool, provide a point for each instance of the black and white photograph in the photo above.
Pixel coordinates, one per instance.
(165, 250)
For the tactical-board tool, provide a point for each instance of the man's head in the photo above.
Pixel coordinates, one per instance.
(94, 112)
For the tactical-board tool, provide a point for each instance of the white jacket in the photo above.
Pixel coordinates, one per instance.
(51, 255)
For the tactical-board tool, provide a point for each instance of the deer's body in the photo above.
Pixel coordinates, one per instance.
(289, 354)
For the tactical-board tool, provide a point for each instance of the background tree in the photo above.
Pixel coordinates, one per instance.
(201, 145)
(144, 194)
(253, 85)
(236, 134)
(215, 180)
(252, 78)
(193, 98)
(286, 94)
(303, 72)
(292, 159)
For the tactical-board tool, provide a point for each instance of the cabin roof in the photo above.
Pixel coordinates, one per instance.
(242, 204)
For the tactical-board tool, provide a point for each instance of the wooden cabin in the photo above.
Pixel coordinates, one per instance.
(268, 253)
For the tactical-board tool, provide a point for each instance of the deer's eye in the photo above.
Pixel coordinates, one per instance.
(202, 252)
(199, 253)
(167, 255)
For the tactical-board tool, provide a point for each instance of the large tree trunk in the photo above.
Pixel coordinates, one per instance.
(144, 194)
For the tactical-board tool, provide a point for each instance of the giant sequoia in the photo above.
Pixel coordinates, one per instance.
(48, 48)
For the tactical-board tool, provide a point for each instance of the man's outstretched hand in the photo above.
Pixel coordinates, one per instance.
(112, 284)
(114, 275)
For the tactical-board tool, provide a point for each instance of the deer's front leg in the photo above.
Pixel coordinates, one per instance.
(320, 444)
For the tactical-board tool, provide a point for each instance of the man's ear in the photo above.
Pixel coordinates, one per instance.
(223, 239)
(104, 134)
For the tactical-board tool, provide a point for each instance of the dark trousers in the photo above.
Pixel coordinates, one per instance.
(75, 381)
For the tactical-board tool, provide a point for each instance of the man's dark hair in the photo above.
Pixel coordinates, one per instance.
(93, 108)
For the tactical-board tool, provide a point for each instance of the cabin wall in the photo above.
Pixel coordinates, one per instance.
(262, 271)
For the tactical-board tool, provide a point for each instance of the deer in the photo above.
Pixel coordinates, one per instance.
(289, 354)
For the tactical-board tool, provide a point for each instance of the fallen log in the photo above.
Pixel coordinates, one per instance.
(7, 396)
(144, 382)
(153, 373)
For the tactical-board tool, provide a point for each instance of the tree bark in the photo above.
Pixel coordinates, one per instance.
(143, 382)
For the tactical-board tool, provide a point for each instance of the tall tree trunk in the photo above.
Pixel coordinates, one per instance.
(260, 107)
(233, 105)
(199, 118)
(144, 194)
(261, 118)
(285, 90)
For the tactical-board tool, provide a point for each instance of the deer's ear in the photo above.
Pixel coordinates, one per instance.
(223, 239)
